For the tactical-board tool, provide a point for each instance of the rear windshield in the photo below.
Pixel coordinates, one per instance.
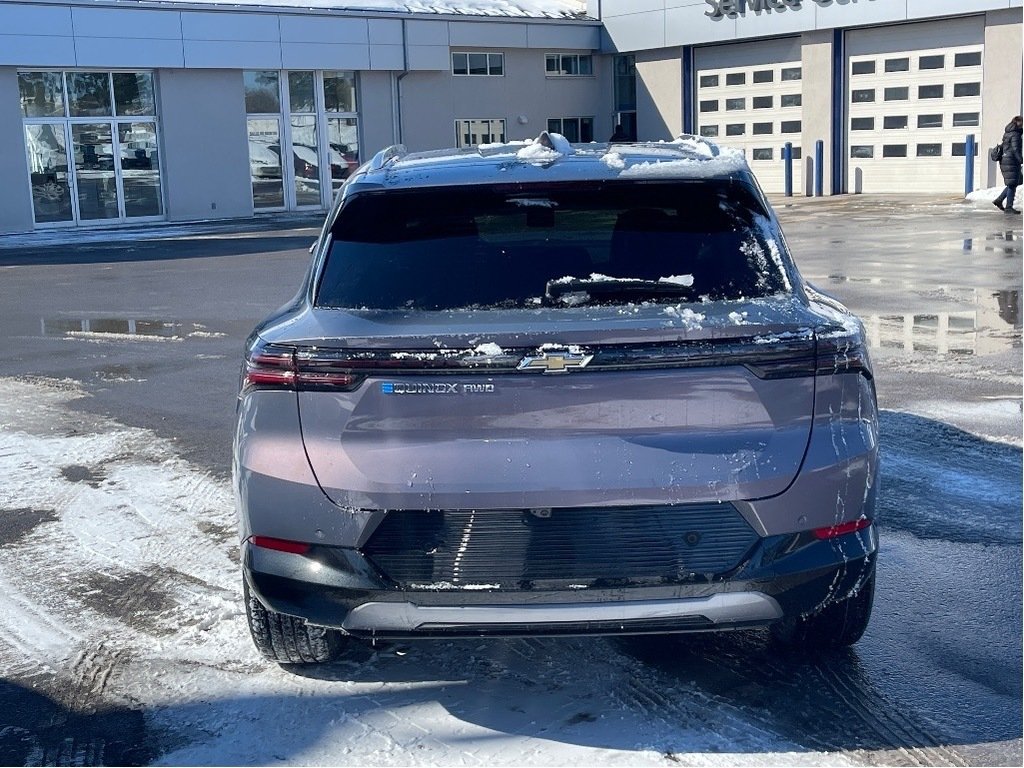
(570, 245)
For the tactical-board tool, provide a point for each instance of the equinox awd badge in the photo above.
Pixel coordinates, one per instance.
(555, 360)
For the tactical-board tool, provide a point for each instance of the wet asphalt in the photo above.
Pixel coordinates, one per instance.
(938, 282)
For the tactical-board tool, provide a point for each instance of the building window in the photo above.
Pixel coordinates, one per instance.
(763, 102)
(929, 121)
(863, 96)
(625, 96)
(735, 129)
(91, 144)
(929, 150)
(303, 136)
(711, 131)
(735, 78)
(966, 89)
(971, 59)
(894, 150)
(731, 105)
(897, 94)
(929, 91)
(897, 65)
(791, 100)
(960, 149)
(792, 73)
(708, 81)
(763, 154)
(863, 67)
(861, 152)
(790, 126)
(478, 64)
(764, 76)
(710, 105)
(963, 119)
(862, 124)
(894, 122)
(575, 129)
(931, 62)
(761, 129)
(568, 64)
(474, 131)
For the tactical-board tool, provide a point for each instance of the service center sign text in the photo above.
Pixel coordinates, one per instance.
(734, 8)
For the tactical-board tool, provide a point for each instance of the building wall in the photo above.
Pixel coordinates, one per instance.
(205, 160)
(15, 197)
(659, 94)
(376, 113)
(525, 97)
(816, 57)
(1002, 85)
(636, 25)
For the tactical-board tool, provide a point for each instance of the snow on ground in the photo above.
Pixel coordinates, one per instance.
(124, 586)
(990, 194)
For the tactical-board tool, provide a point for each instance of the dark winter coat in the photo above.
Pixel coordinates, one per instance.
(1010, 162)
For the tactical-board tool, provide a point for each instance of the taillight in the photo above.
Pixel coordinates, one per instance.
(269, 367)
(842, 352)
(280, 545)
(277, 367)
(830, 532)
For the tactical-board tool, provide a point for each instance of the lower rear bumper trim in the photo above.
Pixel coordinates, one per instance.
(725, 609)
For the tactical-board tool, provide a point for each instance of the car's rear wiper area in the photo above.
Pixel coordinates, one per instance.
(601, 289)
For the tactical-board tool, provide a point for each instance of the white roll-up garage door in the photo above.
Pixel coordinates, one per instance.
(913, 96)
(750, 96)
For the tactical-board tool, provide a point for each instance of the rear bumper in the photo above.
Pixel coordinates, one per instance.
(784, 576)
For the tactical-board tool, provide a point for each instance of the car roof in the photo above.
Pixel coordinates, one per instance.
(549, 158)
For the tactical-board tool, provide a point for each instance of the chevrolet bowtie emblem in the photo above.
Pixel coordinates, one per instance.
(555, 362)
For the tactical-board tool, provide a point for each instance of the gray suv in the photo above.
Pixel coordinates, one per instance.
(547, 389)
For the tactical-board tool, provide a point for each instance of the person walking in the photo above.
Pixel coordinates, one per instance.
(1010, 165)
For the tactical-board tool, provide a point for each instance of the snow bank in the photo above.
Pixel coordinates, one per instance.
(989, 195)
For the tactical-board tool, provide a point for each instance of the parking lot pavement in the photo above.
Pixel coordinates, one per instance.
(121, 631)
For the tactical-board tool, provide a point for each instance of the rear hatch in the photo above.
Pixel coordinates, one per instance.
(518, 346)
(644, 412)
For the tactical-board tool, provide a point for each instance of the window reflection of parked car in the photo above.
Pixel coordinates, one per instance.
(264, 160)
(343, 161)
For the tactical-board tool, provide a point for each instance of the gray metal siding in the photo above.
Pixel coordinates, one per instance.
(205, 147)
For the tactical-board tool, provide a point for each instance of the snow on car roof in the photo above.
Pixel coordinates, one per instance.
(551, 158)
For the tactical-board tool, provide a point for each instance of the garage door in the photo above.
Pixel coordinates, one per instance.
(913, 96)
(756, 106)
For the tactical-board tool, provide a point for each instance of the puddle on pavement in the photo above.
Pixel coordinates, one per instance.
(993, 326)
(1008, 243)
(113, 327)
(990, 321)
(124, 329)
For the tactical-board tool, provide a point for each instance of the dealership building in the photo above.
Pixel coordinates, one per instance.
(124, 112)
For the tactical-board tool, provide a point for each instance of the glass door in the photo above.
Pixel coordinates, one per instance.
(92, 146)
(47, 148)
(303, 136)
(95, 174)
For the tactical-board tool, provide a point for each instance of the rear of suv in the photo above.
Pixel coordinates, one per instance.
(546, 389)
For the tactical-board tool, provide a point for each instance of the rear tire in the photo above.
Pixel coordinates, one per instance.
(838, 625)
(289, 639)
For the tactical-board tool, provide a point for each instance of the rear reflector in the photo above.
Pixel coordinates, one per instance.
(843, 528)
(280, 545)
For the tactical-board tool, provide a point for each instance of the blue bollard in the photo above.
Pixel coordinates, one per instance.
(787, 158)
(819, 167)
(969, 165)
